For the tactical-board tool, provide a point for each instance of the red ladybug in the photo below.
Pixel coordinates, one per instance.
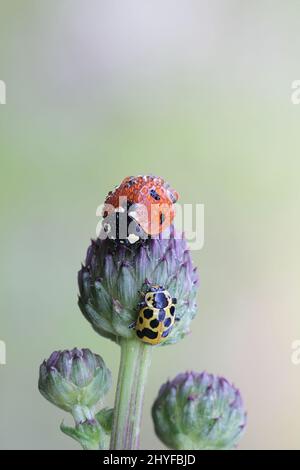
(148, 199)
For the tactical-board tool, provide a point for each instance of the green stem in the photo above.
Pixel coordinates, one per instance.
(135, 362)
(82, 413)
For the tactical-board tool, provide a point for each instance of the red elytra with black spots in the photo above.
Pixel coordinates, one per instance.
(150, 201)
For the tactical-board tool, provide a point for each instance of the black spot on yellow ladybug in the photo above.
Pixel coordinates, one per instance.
(156, 315)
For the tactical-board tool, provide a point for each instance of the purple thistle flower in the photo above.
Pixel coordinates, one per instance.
(111, 281)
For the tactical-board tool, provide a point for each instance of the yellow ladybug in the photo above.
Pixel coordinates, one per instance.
(156, 315)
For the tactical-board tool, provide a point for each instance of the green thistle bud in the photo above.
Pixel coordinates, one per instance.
(75, 381)
(199, 412)
(113, 277)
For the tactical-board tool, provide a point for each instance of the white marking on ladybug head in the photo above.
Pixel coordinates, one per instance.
(132, 238)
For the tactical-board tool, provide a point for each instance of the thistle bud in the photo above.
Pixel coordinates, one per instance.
(199, 412)
(113, 277)
(75, 381)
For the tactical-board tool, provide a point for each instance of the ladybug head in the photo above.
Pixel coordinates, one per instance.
(151, 290)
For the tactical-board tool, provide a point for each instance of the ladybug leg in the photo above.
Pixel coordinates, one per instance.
(128, 248)
(174, 300)
(132, 325)
(177, 319)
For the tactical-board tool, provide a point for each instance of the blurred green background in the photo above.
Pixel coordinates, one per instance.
(199, 93)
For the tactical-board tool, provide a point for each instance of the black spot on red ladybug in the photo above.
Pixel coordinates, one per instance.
(130, 183)
(154, 195)
(154, 323)
(173, 198)
(148, 313)
(141, 320)
(172, 310)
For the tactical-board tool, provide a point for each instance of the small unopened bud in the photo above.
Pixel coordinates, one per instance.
(75, 381)
(199, 411)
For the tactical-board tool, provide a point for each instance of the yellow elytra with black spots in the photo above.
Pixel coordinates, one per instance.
(156, 316)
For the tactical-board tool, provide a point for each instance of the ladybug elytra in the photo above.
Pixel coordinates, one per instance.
(156, 315)
(148, 200)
